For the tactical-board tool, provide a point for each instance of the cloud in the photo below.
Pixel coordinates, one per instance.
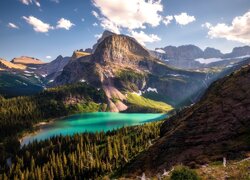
(37, 24)
(28, 2)
(129, 14)
(37, 4)
(13, 26)
(48, 57)
(238, 30)
(184, 18)
(82, 19)
(206, 25)
(55, 1)
(98, 36)
(95, 24)
(64, 24)
(95, 14)
(167, 20)
(143, 38)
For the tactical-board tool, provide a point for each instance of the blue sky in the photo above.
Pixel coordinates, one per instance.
(48, 28)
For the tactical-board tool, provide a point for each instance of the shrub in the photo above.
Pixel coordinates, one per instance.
(184, 173)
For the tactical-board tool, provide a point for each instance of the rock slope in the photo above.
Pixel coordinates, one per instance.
(218, 126)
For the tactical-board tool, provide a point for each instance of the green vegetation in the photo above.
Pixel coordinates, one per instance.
(129, 79)
(233, 170)
(82, 156)
(17, 85)
(21, 113)
(141, 104)
(184, 173)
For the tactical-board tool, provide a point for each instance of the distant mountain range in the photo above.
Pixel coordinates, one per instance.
(125, 70)
(192, 57)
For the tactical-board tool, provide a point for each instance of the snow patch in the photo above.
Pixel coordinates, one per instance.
(152, 90)
(82, 80)
(29, 72)
(160, 51)
(209, 60)
(139, 93)
(27, 75)
(50, 81)
(44, 75)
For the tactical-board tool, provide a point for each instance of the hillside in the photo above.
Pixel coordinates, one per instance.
(218, 126)
(21, 113)
(6, 65)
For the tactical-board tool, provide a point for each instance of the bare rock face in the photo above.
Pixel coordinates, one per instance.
(239, 51)
(212, 53)
(218, 126)
(119, 49)
(26, 60)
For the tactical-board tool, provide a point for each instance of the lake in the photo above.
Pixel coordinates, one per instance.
(91, 122)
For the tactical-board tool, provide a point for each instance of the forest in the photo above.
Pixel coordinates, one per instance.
(82, 156)
(21, 113)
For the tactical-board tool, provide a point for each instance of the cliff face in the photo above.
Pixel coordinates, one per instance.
(218, 126)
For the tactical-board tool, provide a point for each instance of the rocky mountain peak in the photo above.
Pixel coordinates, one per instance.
(212, 53)
(26, 60)
(120, 49)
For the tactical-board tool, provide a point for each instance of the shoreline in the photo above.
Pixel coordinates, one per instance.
(36, 128)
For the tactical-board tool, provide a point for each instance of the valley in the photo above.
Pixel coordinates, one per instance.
(119, 110)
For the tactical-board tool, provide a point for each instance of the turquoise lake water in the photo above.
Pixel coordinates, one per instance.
(91, 122)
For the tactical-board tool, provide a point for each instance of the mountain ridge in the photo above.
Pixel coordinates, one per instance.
(216, 127)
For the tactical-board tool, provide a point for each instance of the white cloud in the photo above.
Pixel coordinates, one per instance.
(184, 18)
(98, 36)
(37, 24)
(48, 57)
(82, 19)
(64, 24)
(167, 20)
(143, 38)
(108, 25)
(206, 25)
(55, 1)
(37, 4)
(239, 30)
(95, 14)
(12, 25)
(130, 14)
(26, 2)
(95, 24)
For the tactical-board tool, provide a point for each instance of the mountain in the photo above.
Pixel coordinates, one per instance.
(212, 53)
(238, 52)
(51, 70)
(192, 57)
(27, 76)
(6, 65)
(121, 67)
(217, 126)
(26, 60)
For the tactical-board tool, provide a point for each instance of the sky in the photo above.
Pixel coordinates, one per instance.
(47, 28)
